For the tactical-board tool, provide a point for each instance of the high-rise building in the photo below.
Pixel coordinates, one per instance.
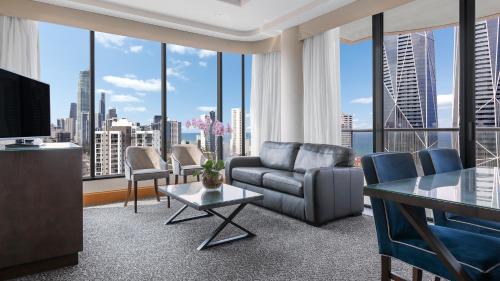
(108, 152)
(174, 133)
(102, 111)
(83, 109)
(236, 134)
(410, 99)
(147, 138)
(111, 113)
(208, 140)
(487, 90)
(72, 111)
(346, 125)
(69, 126)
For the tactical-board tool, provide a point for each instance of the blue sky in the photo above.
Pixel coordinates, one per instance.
(128, 71)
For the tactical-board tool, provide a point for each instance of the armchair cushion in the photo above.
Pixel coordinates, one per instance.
(148, 174)
(279, 155)
(286, 182)
(251, 175)
(312, 156)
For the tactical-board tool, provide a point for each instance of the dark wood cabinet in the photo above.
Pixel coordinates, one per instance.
(41, 212)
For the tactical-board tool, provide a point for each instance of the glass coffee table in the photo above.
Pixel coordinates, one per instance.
(194, 195)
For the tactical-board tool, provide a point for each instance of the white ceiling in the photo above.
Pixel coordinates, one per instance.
(245, 20)
(417, 15)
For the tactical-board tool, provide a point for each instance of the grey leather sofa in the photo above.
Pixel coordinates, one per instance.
(315, 183)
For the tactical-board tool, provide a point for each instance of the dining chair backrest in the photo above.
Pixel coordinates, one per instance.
(386, 167)
(439, 160)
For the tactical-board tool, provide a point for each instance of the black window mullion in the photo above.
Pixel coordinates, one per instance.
(92, 104)
(243, 115)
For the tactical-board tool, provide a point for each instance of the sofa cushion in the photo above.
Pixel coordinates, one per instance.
(279, 155)
(251, 175)
(286, 182)
(312, 156)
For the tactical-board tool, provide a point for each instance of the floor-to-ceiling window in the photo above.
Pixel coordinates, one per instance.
(64, 65)
(487, 91)
(232, 110)
(127, 99)
(192, 94)
(248, 95)
(356, 93)
(419, 90)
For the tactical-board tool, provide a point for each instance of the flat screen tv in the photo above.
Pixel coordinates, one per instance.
(24, 107)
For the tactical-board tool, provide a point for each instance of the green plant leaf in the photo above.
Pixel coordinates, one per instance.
(219, 165)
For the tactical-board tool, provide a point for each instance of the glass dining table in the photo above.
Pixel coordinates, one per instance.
(472, 192)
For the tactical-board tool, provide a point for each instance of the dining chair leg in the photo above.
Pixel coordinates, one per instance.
(135, 196)
(417, 274)
(385, 262)
(185, 178)
(129, 190)
(176, 179)
(156, 190)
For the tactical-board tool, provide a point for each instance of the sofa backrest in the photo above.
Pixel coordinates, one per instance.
(279, 155)
(322, 155)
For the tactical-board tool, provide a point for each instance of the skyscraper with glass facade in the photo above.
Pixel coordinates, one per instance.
(487, 81)
(410, 99)
(83, 109)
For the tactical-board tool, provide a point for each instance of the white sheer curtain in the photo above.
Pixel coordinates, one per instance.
(265, 99)
(321, 67)
(19, 46)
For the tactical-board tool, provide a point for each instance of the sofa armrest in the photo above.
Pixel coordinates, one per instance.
(331, 193)
(240, 161)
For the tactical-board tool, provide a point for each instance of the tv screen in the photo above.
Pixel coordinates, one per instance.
(24, 106)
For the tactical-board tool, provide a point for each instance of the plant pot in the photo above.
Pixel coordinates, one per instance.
(212, 182)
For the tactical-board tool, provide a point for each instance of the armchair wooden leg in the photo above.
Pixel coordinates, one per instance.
(168, 179)
(129, 190)
(135, 196)
(185, 179)
(437, 278)
(168, 201)
(156, 190)
(176, 179)
(417, 274)
(198, 177)
(385, 262)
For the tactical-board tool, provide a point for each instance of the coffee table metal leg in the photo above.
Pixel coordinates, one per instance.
(208, 242)
(172, 219)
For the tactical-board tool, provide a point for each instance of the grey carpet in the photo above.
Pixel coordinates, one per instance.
(121, 245)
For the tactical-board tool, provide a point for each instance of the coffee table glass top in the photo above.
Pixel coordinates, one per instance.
(197, 197)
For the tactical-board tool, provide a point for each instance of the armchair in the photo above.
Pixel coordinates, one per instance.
(186, 159)
(144, 163)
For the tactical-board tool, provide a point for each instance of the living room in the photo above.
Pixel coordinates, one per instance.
(234, 139)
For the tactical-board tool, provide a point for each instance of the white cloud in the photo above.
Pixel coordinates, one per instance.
(124, 98)
(203, 63)
(170, 88)
(206, 108)
(106, 91)
(366, 100)
(206, 53)
(135, 49)
(134, 109)
(149, 85)
(110, 40)
(178, 69)
(182, 50)
(444, 101)
(141, 94)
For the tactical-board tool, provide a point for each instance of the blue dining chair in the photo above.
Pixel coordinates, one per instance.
(442, 160)
(397, 238)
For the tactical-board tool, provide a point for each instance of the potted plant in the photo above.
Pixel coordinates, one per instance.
(211, 177)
